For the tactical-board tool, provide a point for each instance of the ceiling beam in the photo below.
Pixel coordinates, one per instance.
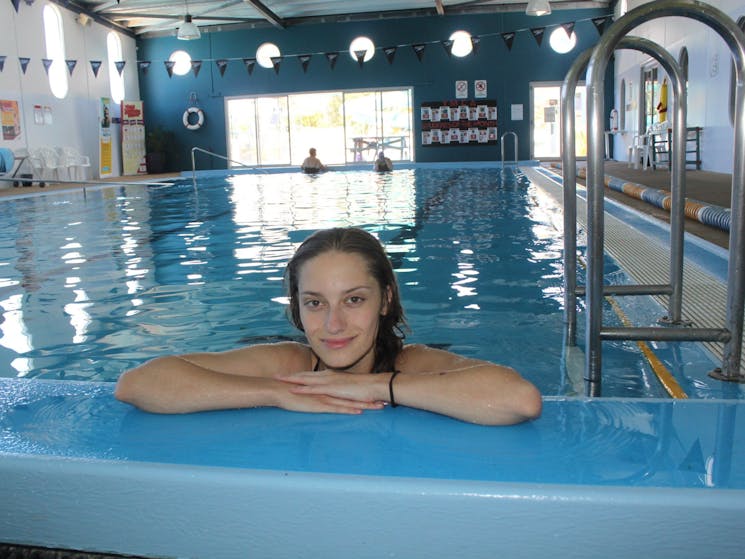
(269, 15)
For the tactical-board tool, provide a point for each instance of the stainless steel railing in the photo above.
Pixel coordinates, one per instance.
(501, 141)
(596, 62)
(213, 154)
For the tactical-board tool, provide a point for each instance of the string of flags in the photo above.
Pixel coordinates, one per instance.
(390, 52)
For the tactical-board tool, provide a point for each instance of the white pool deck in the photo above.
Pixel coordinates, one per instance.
(605, 478)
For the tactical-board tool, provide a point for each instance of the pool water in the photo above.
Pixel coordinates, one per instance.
(94, 283)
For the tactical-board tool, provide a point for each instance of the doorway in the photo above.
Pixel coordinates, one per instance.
(545, 121)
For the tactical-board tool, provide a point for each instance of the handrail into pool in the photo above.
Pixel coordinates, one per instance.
(194, 164)
(598, 62)
(501, 141)
(674, 288)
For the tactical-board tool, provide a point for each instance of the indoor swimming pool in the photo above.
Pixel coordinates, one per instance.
(94, 283)
(98, 281)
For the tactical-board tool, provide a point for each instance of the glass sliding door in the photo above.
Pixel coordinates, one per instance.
(316, 120)
(396, 115)
(343, 126)
(545, 121)
(242, 131)
(274, 137)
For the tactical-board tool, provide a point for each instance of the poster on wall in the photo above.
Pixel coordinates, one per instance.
(104, 135)
(459, 122)
(11, 120)
(133, 138)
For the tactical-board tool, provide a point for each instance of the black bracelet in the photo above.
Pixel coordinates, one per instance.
(390, 389)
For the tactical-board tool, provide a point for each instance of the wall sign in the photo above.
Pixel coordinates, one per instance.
(459, 122)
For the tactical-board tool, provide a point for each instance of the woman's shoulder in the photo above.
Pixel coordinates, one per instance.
(420, 357)
(286, 356)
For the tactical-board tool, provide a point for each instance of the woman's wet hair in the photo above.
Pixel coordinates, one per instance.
(390, 339)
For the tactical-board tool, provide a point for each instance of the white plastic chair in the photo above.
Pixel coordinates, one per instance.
(46, 163)
(639, 152)
(74, 162)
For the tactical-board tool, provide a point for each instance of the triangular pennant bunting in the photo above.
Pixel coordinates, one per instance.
(360, 55)
(390, 53)
(95, 67)
(15, 4)
(276, 61)
(24, 63)
(508, 39)
(249, 63)
(71, 65)
(568, 27)
(144, 66)
(448, 46)
(196, 65)
(169, 64)
(222, 64)
(331, 57)
(2, 62)
(47, 64)
(120, 66)
(475, 43)
(419, 51)
(599, 23)
(538, 34)
(304, 62)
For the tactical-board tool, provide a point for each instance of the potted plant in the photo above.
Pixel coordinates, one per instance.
(159, 145)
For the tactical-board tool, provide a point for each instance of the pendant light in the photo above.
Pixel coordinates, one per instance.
(538, 8)
(188, 30)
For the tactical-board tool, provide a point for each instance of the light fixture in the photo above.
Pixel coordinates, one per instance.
(538, 8)
(188, 31)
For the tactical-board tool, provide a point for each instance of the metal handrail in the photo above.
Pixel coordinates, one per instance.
(194, 165)
(732, 334)
(677, 187)
(501, 141)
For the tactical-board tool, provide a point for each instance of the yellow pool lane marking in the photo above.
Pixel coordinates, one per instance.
(663, 374)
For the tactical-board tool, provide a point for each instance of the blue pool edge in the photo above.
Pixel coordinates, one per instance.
(155, 509)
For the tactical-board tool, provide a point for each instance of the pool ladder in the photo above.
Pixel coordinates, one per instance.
(596, 61)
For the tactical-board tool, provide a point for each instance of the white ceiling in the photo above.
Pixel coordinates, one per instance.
(158, 17)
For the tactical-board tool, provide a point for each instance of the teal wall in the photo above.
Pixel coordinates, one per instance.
(508, 72)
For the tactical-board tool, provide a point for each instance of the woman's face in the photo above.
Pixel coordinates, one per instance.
(340, 308)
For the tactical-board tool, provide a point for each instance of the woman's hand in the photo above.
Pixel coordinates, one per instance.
(304, 398)
(371, 389)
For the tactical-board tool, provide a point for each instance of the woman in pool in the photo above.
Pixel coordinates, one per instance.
(344, 297)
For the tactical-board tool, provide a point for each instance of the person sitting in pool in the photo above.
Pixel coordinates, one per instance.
(312, 164)
(383, 163)
(344, 296)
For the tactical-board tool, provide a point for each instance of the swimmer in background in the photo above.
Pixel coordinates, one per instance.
(312, 164)
(383, 163)
(344, 296)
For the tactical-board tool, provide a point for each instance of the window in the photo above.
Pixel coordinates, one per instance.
(462, 45)
(265, 53)
(116, 80)
(362, 44)
(54, 38)
(561, 42)
(622, 112)
(181, 62)
(345, 126)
